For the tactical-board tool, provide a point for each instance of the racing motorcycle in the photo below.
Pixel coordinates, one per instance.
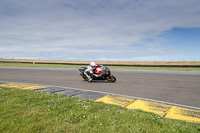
(100, 73)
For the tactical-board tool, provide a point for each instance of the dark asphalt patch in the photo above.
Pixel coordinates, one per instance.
(70, 92)
(3, 82)
(91, 95)
(51, 90)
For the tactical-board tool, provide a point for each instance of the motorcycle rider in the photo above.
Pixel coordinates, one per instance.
(90, 71)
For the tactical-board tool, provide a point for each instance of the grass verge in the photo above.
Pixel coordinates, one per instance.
(41, 65)
(112, 67)
(31, 111)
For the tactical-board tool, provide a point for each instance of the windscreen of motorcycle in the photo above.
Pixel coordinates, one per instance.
(98, 70)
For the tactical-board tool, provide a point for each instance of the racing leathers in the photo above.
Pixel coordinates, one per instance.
(89, 72)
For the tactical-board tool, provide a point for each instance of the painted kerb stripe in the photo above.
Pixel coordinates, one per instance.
(162, 109)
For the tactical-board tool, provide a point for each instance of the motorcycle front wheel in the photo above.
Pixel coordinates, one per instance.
(84, 77)
(111, 78)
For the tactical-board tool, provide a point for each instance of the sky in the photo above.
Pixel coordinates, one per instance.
(100, 30)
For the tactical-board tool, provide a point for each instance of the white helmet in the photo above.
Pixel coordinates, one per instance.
(92, 64)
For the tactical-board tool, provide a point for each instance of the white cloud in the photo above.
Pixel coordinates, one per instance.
(78, 28)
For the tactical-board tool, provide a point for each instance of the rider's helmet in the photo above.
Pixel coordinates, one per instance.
(93, 64)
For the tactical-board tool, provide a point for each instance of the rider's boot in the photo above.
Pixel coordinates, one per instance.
(89, 77)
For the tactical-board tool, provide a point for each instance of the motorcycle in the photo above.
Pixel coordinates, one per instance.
(100, 73)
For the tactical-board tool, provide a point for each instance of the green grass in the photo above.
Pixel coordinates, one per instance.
(112, 67)
(31, 111)
(157, 68)
(41, 65)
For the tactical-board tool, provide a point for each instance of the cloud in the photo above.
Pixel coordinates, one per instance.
(102, 29)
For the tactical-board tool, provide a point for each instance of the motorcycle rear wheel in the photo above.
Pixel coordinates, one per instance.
(111, 78)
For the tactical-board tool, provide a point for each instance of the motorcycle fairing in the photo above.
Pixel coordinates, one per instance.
(98, 70)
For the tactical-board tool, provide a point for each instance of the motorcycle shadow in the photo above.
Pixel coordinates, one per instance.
(99, 81)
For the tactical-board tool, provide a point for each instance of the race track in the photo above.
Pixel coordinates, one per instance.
(180, 87)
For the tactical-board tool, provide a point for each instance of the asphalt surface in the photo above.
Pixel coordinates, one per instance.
(180, 87)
